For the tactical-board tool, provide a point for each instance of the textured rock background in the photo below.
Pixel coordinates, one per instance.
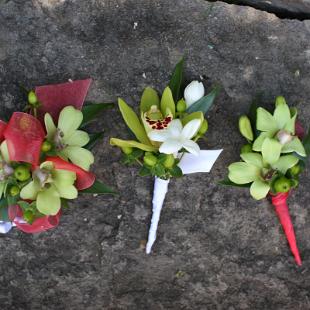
(217, 248)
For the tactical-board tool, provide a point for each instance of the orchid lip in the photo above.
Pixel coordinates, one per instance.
(284, 136)
(42, 175)
(58, 140)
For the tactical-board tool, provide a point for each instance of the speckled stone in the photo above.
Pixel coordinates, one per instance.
(217, 248)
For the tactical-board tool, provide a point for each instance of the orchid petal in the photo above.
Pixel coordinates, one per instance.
(265, 121)
(69, 120)
(5, 151)
(78, 138)
(271, 150)
(257, 145)
(254, 159)
(175, 128)
(79, 156)
(50, 126)
(282, 115)
(170, 146)
(243, 173)
(63, 178)
(159, 135)
(191, 147)
(48, 201)
(30, 191)
(191, 129)
(259, 189)
(68, 192)
(294, 146)
(285, 162)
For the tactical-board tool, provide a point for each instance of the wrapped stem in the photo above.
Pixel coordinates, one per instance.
(281, 208)
(160, 191)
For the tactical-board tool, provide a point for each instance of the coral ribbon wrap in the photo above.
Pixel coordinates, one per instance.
(279, 202)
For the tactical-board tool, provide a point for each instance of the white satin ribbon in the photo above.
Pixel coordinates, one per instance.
(189, 164)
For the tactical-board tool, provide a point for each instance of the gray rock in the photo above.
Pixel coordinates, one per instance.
(217, 248)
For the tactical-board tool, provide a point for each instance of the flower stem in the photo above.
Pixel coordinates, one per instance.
(139, 162)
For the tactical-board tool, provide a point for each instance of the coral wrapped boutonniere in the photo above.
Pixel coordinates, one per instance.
(167, 130)
(272, 160)
(46, 157)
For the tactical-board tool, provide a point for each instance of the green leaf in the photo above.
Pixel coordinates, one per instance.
(306, 143)
(145, 171)
(132, 143)
(167, 104)
(159, 170)
(133, 122)
(148, 99)
(93, 139)
(205, 102)
(176, 80)
(12, 200)
(91, 111)
(176, 172)
(98, 188)
(4, 215)
(3, 203)
(227, 182)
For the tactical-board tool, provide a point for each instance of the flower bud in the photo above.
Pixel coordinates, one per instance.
(295, 170)
(14, 190)
(127, 150)
(280, 100)
(169, 161)
(247, 148)
(284, 137)
(245, 127)
(46, 146)
(204, 127)
(193, 92)
(181, 105)
(32, 98)
(22, 173)
(150, 160)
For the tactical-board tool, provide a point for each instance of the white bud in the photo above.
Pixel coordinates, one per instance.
(193, 92)
(284, 137)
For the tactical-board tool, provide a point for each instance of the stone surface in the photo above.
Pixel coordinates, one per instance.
(299, 9)
(216, 248)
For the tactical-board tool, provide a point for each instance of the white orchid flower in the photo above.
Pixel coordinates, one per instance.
(175, 137)
(193, 92)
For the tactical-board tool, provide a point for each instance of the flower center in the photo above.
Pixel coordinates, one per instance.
(6, 171)
(268, 174)
(59, 145)
(155, 120)
(284, 136)
(43, 176)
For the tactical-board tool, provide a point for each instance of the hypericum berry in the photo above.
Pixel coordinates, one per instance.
(46, 146)
(14, 190)
(181, 105)
(282, 185)
(127, 150)
(204, 127)
(32, 98)
(150, 160)
(295, 170)
(169, 161)
(22, 173)
(247, 148)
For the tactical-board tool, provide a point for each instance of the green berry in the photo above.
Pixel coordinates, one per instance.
(22, 173)
(127, 150)
(28, 216)
(32, 98)
(169, 161)
(247, 148)
(204, 127)
(295, 170)
(150, 160)
(46, 146)
(181, 105)
(14, 190)
(282, 185)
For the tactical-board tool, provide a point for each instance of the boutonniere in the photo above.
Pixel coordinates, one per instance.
(46, 157)
(272, 160)
(167, 130)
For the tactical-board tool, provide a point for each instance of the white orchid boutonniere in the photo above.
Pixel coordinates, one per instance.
(167, 133)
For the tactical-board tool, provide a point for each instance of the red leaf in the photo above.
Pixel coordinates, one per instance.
(2, 129)
(85, 179)
(24, 135)
(54, 98)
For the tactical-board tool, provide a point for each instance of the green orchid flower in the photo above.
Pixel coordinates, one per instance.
(67, 139)
(48, 186)
(280, 127)
(6, 170)
(259, 170)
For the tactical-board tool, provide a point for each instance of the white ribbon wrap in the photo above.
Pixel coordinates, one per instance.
(5, 227)
(189, 164)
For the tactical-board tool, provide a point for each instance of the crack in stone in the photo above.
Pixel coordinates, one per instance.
(281, 10)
